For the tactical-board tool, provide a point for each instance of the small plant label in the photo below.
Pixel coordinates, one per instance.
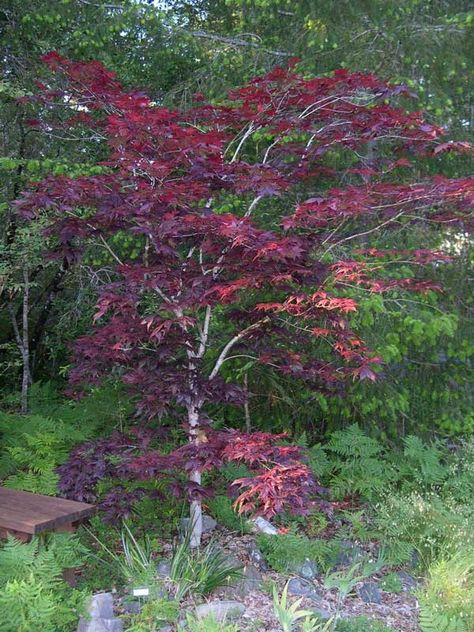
(141, 592)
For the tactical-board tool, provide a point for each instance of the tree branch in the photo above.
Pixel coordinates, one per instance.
(233, 341)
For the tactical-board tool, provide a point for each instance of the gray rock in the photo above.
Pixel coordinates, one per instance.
(101, 605)
(321, 613)
(307, 570)
(303, 588)
(132, 607)
(163, 568)
(208, 524)
(264, 526)
(221, 610)
(348, 554)
(370, 593)
(408, 582)
(101, 615)
(256, 557)
(166, 628)
(250, 582)
(414, 559)
(98, 624)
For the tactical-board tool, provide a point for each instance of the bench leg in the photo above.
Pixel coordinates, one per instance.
(69, 574)
(19, 535)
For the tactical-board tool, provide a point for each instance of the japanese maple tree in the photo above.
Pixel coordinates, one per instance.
(203, 287)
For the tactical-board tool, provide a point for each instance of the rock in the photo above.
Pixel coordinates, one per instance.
(408, 582)
(370, 593)
(414, 559)
(321, 613)
(264, 526)
(166, 628)
(256, 556)
(132, 607)
(221, 610)
(303, 588)
(348, 554)
(101, 606)
(208, 524)
(163, 568)
(250, 582)
(100, 625)
(101, 615)
(307, 570)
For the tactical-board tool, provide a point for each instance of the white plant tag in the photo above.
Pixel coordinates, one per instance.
(141, 592)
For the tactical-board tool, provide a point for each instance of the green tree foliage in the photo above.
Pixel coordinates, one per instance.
(176, 48)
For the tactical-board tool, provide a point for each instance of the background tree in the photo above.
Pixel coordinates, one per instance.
(133, 37)
(174, 49)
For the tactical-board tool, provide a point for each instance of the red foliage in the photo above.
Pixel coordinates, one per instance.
(168, 174)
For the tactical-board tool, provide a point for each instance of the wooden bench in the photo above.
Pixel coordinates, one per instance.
(24, 515)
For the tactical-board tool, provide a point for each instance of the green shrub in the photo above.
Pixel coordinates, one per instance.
(289, 614)
(207, 624)
(449, 590)
(133, 561)
(361, 624)
(200, 571)
(422, 465)
(391, 583)
(434, 622)
(423, 523)
(154, 614)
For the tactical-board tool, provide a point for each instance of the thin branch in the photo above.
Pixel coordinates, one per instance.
(204, 334)
(366, 232)
(233, 341)
(234, 41)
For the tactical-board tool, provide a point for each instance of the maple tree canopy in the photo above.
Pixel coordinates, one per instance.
(207, 280)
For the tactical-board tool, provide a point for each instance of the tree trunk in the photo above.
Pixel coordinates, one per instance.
(195, 521)
(23, 342)
(26, 379)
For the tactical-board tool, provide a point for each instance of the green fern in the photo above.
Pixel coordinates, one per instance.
(359, 465)
(283, 552)
(221, 508)
(33, 595)
(431, 621)
(423, 461)
(353, 443)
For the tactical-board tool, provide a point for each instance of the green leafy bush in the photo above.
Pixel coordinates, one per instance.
(207, 624)
(391, 582)
(154, 614)
(200, 571)
(361, 624)
(449, 590)
(289, 614)
(425, 523)
(434, 622)
(423, 465)
(133, 560)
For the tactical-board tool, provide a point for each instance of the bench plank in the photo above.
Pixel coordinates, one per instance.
(34, 513)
